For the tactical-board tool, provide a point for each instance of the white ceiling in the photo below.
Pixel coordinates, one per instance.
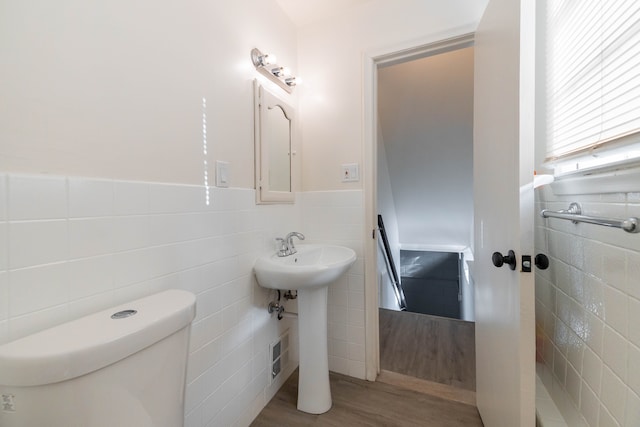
(304, 12)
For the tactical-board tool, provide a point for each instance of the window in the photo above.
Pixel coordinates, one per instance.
(593, 83)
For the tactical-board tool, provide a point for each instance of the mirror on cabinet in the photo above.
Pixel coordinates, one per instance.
(274, 124)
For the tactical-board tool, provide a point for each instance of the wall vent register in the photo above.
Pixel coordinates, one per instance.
(278, 356)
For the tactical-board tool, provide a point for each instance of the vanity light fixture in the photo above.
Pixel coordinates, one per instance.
(278, 71)
(266, 64)
(263, 60)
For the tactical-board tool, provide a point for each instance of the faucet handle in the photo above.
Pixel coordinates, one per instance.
(283, 248)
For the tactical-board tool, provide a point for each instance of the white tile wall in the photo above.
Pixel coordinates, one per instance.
(35, 197)
(4, 304)
(71, 246)
(588, 311)
(337, 217)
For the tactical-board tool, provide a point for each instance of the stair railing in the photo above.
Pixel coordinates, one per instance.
(397, 286)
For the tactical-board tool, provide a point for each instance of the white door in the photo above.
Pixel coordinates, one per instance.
(503, 211)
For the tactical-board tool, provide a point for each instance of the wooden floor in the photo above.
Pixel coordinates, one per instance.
(364, 403)
(428, 347)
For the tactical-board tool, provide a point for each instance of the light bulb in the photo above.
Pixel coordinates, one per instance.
(290, 81)
(267, 59)
(278, 72)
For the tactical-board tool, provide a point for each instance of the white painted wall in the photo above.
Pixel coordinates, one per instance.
(115, 89)
(330, 57)
(426, 113)
(334, 55)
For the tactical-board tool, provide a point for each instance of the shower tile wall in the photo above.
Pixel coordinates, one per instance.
(71, 246)
(588, 311)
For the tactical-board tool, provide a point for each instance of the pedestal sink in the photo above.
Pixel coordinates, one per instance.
(309, 271)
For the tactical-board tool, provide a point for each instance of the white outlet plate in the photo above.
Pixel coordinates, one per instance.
(222, 173)
(350, 172)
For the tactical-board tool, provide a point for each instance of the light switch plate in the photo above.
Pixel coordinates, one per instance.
(350, 172)
(222, 173)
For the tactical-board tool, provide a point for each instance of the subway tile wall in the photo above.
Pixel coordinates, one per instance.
(588, 311)
(71, 246)
(337, 217)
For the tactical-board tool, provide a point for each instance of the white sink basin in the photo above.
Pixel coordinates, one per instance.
(309, 271)
(312, 266)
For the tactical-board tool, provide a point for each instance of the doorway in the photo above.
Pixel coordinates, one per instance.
(425, 179)
(423, 157)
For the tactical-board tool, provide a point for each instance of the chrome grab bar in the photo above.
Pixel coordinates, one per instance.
(574, 214)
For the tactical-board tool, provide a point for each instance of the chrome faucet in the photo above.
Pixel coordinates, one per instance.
(286, 246)
(289, 239)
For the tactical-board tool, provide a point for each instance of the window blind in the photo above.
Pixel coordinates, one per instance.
(592, 74)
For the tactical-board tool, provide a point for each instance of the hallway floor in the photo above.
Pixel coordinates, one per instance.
(364, 403)
(433, 348)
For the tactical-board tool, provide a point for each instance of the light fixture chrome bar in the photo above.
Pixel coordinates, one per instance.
(266, 65)
(574, 214)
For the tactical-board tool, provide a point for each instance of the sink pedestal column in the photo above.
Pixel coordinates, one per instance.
(314, 393)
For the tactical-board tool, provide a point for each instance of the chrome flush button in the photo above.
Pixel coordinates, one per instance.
(123, 314)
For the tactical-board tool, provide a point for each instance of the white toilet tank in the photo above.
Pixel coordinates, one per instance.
(112, 368)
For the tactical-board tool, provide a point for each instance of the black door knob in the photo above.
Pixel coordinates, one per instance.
(499, 260)
(542, 262)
